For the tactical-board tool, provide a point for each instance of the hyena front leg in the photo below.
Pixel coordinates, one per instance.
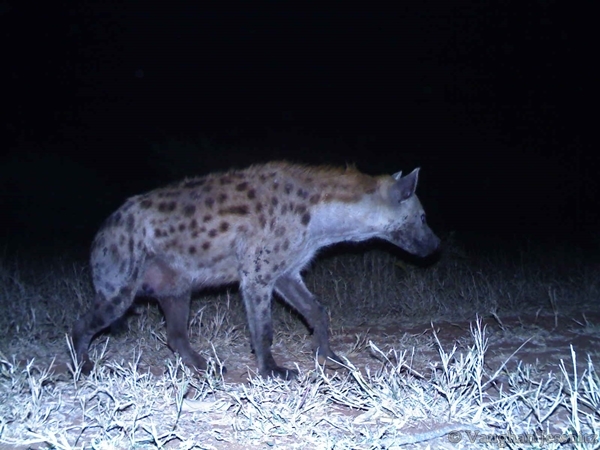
(292, 289)
(103, 313)
(257, 300)
(176, 309)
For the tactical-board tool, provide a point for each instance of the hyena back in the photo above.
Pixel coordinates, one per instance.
(259, 227)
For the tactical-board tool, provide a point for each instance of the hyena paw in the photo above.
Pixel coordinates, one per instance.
(280, 372)
(330, 360)
(196, 362)
(87, 367)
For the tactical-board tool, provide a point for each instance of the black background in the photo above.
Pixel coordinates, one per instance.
(493, 100)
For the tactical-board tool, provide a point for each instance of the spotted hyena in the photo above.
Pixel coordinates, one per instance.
(260, 227)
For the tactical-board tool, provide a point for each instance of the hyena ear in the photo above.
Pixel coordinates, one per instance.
(405, 187)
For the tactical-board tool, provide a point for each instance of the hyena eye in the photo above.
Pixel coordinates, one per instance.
(423, 219)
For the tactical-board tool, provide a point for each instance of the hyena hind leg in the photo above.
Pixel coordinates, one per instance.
(176, 309)
(102, 314)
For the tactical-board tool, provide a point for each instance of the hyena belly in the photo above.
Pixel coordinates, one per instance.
(258, 227)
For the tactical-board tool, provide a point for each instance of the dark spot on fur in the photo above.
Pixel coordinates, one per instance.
(276, 248)
(173, 243)
(193, 224)
(300, 209)
(288, 188)
(223, 227)
(195, 234)
(240, 210)
(125, 292)
(305, 219)
(302, 193)
(242, 186)
(181, 227)
(146, 203)
(262, 220)
(271, 211)
(284, 209)
(189, 210)
(205, 245)
(251, 194)
(192, 249)
(314, 199)
(286, 245)
(222, 197)
(167, 207)
(131, 245)
(116, 219)
(117, 300)
(225, 180)
(130, 223)
(109, 309)
(171, 229)
(207, 188)
(262, 177)
(207, 218)
(158, 232)
(274, 201)
(258, 207)
(209, 202)
(212, 233)
(279, 231)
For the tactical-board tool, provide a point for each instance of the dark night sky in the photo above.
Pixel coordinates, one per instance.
(491, 99)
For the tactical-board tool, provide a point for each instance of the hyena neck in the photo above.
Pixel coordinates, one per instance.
(335, 222)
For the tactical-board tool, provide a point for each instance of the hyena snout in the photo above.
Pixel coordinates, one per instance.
(419, 241)
(427, 246)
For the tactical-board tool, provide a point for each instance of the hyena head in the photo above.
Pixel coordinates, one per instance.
(402, 218)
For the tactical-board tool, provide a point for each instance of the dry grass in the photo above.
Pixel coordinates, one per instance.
(398, 389)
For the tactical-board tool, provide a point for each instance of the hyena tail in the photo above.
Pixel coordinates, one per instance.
(105, 311)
